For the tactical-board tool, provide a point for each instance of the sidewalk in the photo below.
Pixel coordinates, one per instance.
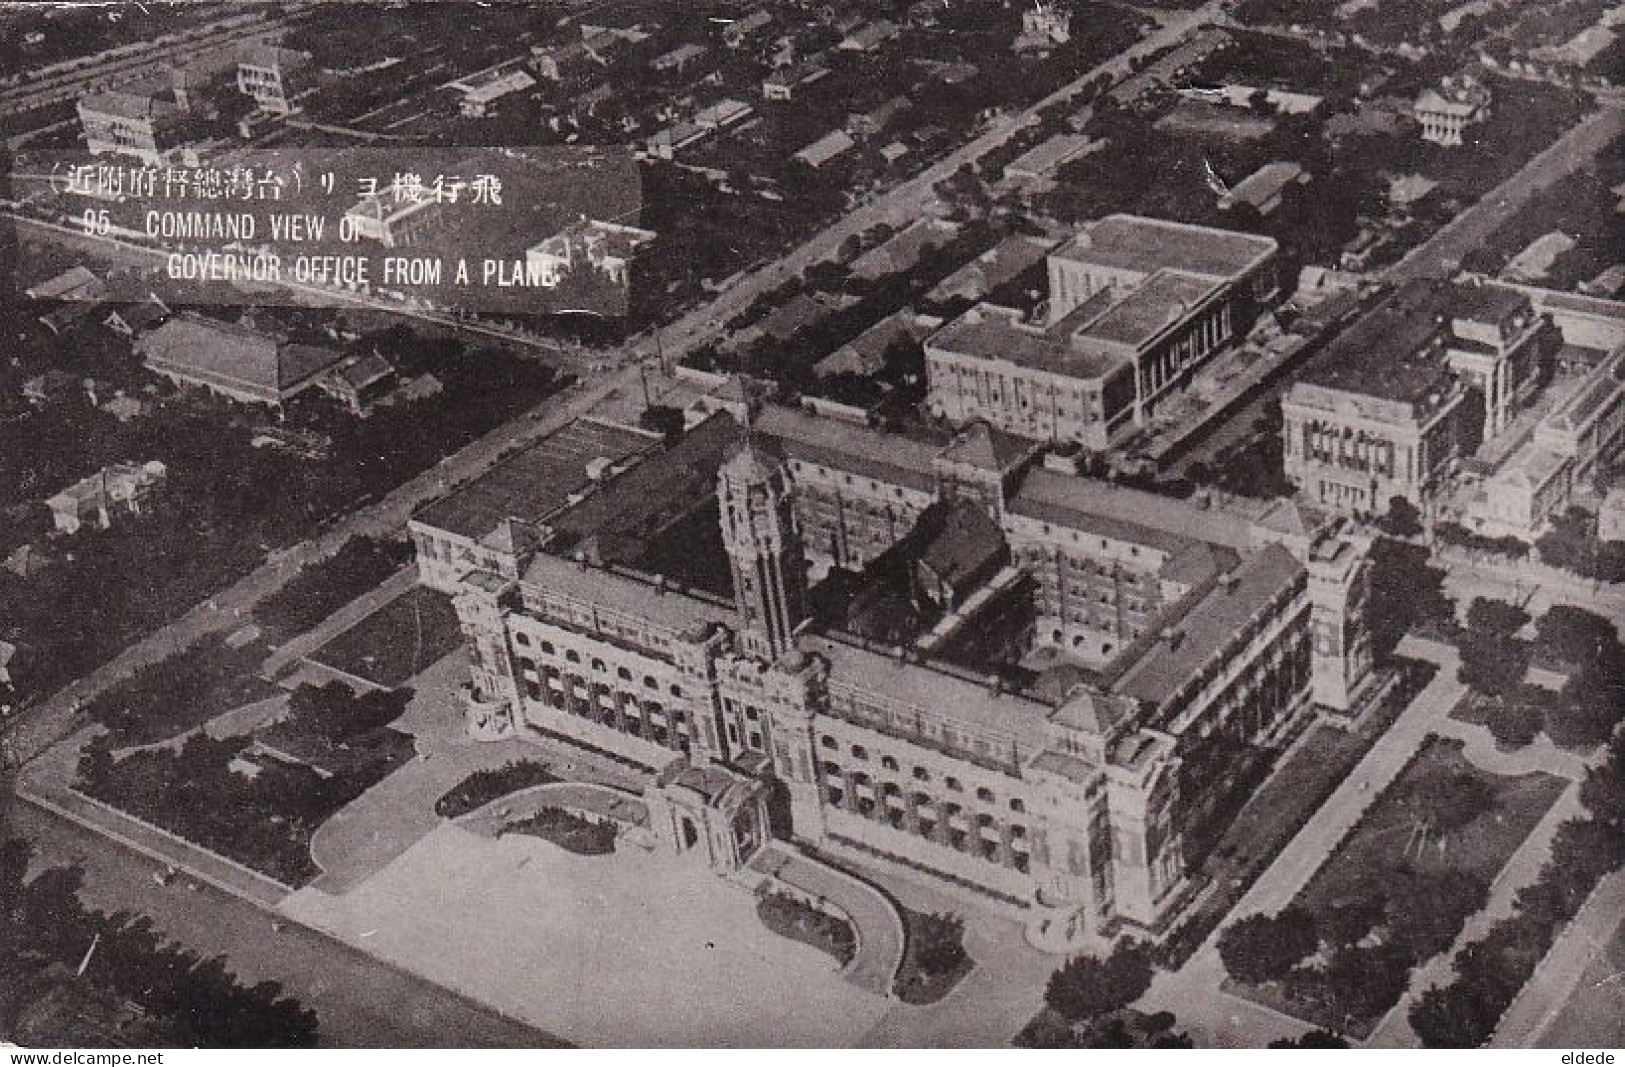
(1194, 992)
(1394, 1031)
(878, 927)
(345, 617)
(1548, 990)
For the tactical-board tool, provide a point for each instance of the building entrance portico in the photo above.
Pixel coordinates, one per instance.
(709, 812)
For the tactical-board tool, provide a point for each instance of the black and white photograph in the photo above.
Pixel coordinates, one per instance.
(812, 524)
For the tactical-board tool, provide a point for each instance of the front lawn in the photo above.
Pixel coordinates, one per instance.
(319, 589)
(791, 917)
(584, 837)
(397, 641)
(181, 693)
(934, 957)
(258, 800)
(1400, 886)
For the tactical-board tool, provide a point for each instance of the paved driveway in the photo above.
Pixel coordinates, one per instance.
(632, 949)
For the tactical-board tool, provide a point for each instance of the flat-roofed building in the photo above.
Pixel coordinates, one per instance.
(1135, 306)
(604, 247)
(1390, 405)
(145, 127)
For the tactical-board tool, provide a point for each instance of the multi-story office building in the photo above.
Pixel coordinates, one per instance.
(1063, 803)
(149, 128)
(1135, 306)
(1390, 405)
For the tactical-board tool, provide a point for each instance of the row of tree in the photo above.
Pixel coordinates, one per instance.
(1493, 969)
(197, 1001)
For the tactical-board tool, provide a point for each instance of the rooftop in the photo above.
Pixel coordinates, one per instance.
(989, 331)
(1133, 242)
(534, 483)
(1389, 353)
(210, 350)
(989, 448)
(615, 591)
(1162, 301)
(826, 148)
(1215, 621)
(992, 268)
(1265, 183)
(1044, 159)
(126, 105)
(857, 450)
(968, 540)
(969, 706)
(1089, 504)
(656, 492)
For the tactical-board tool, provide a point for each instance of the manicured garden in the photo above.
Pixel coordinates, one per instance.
(1283, 804)
(569, 831)
(934, 957)
(397, 641)
(181, 692)
(1395, 893)
(790, 916)
(484, 786)
(320, 589)
(261, 809)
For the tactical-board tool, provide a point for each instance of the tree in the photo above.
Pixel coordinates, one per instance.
(1453, 1016)
(1492, 664)
(1496, 617)
(1515, 723)
(1265, 948)
(1405, 590)
(662, 419)
(1576, 635)
(1086, 987)
(941, 946)
(1403, 519)
(1585, 712)
(1312, 1039)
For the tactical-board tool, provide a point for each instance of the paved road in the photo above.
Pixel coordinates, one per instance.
(1529, 1022)
(360, 1002)
(1442, 254)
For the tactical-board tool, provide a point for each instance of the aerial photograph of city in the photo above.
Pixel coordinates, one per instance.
(802, 524)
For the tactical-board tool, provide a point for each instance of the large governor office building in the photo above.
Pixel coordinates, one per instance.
(1180, 632)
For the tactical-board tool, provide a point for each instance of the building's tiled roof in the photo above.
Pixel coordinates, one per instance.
(656, 492)
(992, 268)
(989, 448)
(988, 331)
(229, 354)
(1390, 353)
(532, 484)
(968, 541)
(826, 148)
(1165, 298)
(1014, 719)
(1213, 622)
(128, 105)
(614, 591)
(1089, 504)
(886, 457)
(1135, 242)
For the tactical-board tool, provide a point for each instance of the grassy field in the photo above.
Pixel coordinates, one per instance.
(396, 641)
